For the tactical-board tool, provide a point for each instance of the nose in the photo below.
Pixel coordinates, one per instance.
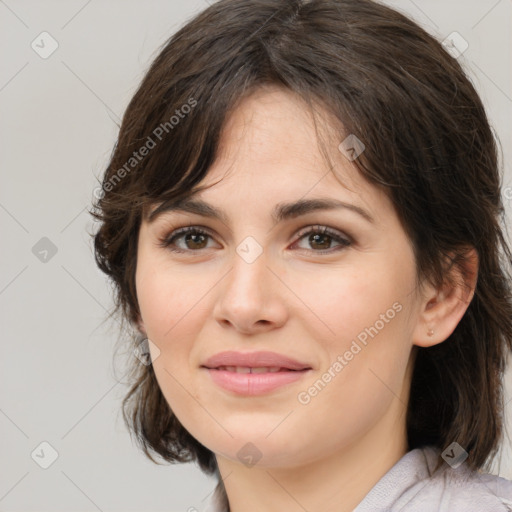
(251, 297)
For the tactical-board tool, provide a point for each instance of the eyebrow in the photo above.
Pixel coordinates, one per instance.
(281, 211)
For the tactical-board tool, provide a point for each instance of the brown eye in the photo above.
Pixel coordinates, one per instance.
(321, 238)
(194, 239)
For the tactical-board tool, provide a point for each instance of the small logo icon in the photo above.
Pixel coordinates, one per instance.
(44, 45)
(249, 455)
(44, 455)
(351, 147)
(98, 193)
(455, 455)
(144, 350)
(44, 250)
(455, 45)
(249, 249)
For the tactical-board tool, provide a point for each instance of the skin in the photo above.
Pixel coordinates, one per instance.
(327, 454)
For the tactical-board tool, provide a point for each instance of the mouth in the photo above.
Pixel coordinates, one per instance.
(253, 373)
(253, 381)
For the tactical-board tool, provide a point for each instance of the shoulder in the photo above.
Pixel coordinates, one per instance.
(466, 490)
(412, 485)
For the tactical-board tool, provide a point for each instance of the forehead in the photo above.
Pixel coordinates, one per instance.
(273, 143)
(273, 136)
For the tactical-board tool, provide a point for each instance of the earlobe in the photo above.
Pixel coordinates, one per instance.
(442, 309)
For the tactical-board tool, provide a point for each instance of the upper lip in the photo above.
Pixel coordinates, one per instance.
(254, 360)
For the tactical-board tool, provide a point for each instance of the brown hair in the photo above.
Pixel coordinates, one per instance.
(428, 143)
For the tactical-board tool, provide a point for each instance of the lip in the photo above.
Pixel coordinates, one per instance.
(251, 384)
(254, 360)
(254, 383)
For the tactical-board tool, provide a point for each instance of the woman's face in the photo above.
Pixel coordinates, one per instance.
(343, 303)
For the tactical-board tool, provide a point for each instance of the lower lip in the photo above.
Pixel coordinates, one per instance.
(254, 383)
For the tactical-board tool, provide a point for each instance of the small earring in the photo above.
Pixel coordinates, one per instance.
(430, 332)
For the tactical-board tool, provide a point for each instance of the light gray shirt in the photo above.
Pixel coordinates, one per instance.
(412, 486)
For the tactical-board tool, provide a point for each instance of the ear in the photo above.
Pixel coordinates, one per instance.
(442, 308)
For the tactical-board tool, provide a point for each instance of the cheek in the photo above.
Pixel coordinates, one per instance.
(364, 317)
(347, 300)
(173, 314)
(166, 298)
(166, 309)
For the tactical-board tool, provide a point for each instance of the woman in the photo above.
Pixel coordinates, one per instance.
(303, 222)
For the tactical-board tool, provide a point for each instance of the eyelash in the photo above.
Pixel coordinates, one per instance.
(169, 240)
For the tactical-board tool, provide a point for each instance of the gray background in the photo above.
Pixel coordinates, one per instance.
(58, 114)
